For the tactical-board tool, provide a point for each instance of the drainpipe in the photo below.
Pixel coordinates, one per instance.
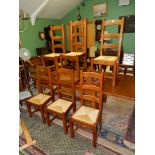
(37, 11)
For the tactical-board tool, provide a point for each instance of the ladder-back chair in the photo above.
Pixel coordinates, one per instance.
(66, 98)
(46, 79)
(104, 60)
(89, 114)
(33, 62)
(39, 101)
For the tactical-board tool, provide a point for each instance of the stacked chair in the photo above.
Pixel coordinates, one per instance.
(78, 39)
(57, 35)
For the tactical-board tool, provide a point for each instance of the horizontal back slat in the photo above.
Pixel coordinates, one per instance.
(91, 98)
(58, 45)
(77, 23)
(112, 22)
(91, 87)
(110, 46)
(77, 44)
(77, 35)
(57, 37)
(111, 35)
(56, 27)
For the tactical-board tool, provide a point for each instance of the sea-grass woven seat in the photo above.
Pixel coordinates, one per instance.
(60, 105)
(86, 114)
(106, 58)
(38, 101)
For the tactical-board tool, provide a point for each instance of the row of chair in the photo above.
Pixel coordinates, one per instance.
(78, 42)
(62, 101)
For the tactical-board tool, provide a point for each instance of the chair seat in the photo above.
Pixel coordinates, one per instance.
(39, 99)
(52, 55)
(74, 53)
(24, 95)
(106, 58)
(60, 105)
(86, 114)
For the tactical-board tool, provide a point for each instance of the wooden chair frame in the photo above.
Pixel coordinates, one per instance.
(43, 78)
(74, 64)
(114, 62)
(33, 62)
(77, 45)
(93, 98)
(55, 37)
(65, 87)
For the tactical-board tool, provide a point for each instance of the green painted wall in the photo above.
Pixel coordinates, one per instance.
(30, 38)
(114, 11)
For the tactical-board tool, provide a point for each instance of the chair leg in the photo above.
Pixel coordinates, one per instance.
(114, 75)
(42, 114)
(71, 128)
(94, 135)
(29, 109)
(48, 118)
(64, 123)
(100, 121)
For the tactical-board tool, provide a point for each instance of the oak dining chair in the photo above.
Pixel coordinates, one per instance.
(89, 114)
(38, 102)
(66, 98)
(116, 37)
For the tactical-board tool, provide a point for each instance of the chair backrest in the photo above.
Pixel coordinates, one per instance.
(57, 35)
(33, 62)
(71, 62)
(78, 36)
(91, 89)
(45, 78)
(66, 83)
(117, 37)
